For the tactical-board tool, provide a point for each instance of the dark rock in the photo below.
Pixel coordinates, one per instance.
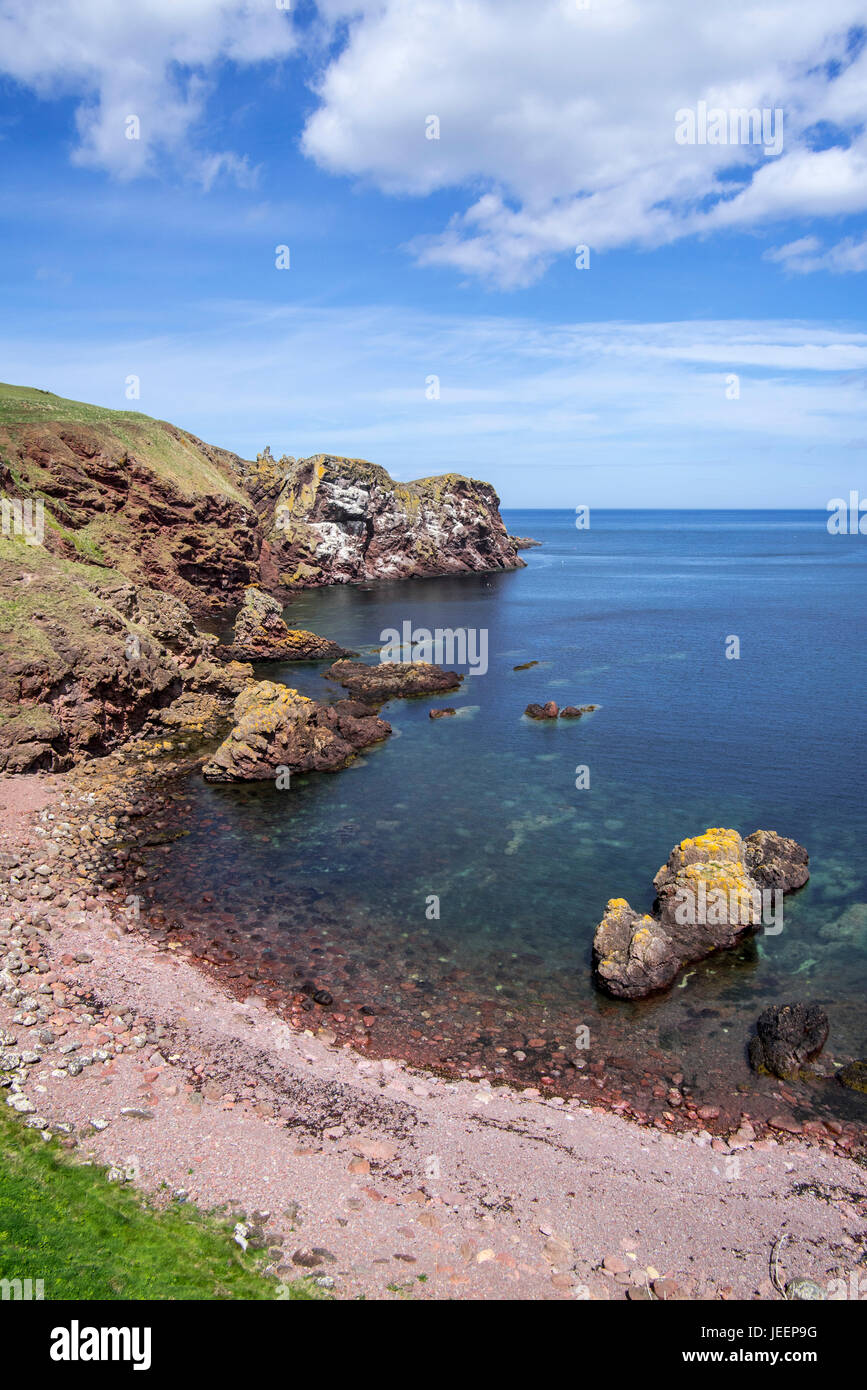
(525, 666)
(787, 1037)
(392, 679)
(321, 996)
(854, 1075)
(571, 712)
(546, 711)
(442, 713)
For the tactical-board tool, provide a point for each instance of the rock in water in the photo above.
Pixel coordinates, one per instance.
(546, 711)
(391, 679)
(278, 727)
(776, 863)
(787, 1037)
(708, 897)
(262, 635)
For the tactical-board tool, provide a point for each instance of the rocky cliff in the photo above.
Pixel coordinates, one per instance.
(86, 656)
(165, 509)
(331, 520)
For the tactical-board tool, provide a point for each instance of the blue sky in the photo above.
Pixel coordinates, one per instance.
(713, 353)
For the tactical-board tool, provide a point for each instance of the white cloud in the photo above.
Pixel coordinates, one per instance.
(562, 118)
(536, 409)
(807, 254)
(152, 59)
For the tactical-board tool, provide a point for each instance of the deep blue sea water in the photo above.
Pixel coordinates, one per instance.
(334, 876)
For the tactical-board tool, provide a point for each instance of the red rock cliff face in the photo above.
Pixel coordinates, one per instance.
(148, 499)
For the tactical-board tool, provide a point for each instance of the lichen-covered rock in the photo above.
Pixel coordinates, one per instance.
(343, 521)
(854, 1075)
(276, 726)
(707, 899)
(787, 1037)
(206, 700)
(632, 952)
(88, 657)
(389, 680)
(261, 634)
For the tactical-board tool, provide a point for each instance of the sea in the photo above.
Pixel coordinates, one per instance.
(449, 882)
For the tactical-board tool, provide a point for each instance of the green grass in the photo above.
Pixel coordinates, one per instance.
(170, 452)
(62, 1221)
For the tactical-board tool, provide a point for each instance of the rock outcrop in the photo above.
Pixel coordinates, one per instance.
(331, 520)
(787, 1037)
(260, 634)
(131, 493)
(391, 680)
(709, 895)
(88, 656)
(276, 727)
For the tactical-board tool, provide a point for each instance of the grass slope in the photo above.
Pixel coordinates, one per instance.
(170, 452)
(62, 1222)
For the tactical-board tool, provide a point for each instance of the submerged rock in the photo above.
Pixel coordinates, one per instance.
(392, 679)
(262, 635)
(278, 727)
(708, 897)
(787, 1037)
(442, 713)
(576, 711)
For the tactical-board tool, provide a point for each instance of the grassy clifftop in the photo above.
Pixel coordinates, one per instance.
(179, 458)
(132, 493)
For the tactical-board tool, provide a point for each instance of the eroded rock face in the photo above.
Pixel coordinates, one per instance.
(88, 656)
(276, 726)
(392, 679)
(333, 520)
(262, 635)
(787, 1037)
(137, 495)
(708, 897)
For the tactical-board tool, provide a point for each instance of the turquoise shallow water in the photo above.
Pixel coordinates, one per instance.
(332, 879)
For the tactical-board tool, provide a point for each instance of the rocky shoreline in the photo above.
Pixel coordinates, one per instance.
(365, 1173)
